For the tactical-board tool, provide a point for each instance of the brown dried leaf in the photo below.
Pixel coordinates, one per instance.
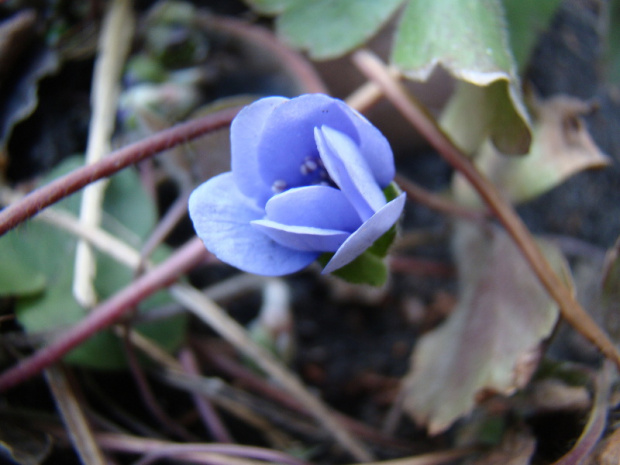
(561, 147)
(489, 344)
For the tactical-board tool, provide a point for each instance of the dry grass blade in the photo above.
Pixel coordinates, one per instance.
(208, 414)
(214, 316)
(113, 49)
(78, 428)
(415, 113)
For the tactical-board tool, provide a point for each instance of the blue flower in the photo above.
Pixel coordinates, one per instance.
(307, 177)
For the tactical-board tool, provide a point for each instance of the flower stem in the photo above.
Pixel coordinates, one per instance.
(419, 117)
(66, 185)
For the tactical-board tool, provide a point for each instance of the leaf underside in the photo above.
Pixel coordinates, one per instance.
(487, 345)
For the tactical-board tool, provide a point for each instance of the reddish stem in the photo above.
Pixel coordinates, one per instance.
(149, 399)
(209, 415)
(102, 316)
(62, 187)
(420, 195)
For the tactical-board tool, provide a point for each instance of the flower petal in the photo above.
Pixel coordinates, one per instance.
(374, 147)
(222, 216)
(350, 171)
(317, 206)
(245, 133)
(304, 238)
(288, 137)
(367, 234)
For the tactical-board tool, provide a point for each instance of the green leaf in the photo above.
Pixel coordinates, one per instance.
(488, 344)
(16, 277)
(130, 213)
(527, 19)
(331, 28)
(468, 38)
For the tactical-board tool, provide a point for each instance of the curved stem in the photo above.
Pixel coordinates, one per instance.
(417, 115)
(66, 185)
(420, 195)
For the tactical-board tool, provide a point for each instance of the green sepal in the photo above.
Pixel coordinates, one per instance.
(369, 267)
(365, 269)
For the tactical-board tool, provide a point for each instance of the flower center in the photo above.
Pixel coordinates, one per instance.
(314, 171)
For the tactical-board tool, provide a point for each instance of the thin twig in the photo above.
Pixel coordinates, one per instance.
(416, 114)
(114, 45)
(66, 185)
(432, 458)
(210, 418)
(165, 225)
(138, 445)
(73, 417)
(148, 397)
(420, 195)
(420, 267)
(229, 329)
(237, 403)
(367, 95)
(105, 314)
(231, 368)
(232, 455)
(148, 347)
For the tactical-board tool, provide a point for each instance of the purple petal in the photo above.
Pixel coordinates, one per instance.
(222, 216)
(304, 238)
(316, 206)
(367, 234)
(288, 137)
(350, 171)
(374, 147)
(245, 133)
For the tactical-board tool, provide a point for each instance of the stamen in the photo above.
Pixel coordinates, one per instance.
(308, 166)
(278, 186)
(311, 164)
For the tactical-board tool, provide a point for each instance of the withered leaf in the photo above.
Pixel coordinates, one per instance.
(489, 343)
(561, 147)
